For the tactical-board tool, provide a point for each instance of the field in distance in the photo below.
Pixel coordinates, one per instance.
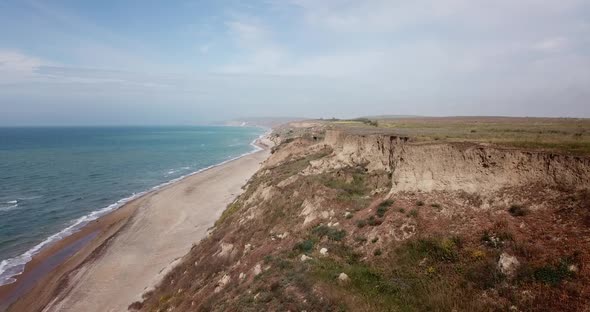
(570, 135)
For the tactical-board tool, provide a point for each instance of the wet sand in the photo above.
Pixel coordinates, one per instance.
(122, 255)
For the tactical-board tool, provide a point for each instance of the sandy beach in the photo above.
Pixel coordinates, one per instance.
(127, 252)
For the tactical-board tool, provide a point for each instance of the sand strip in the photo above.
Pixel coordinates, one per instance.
(136, 244)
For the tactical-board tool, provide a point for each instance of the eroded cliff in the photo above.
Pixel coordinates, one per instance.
(451, 167)
(340, 221)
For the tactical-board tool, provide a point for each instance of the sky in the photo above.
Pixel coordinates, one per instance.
(110, 62)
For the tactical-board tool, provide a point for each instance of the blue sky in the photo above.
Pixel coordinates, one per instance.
(181, 62)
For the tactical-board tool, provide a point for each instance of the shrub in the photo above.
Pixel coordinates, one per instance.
(402, 210)
(372, 221)
(331, 233)
(478, 254)
(360, 239)
(381, 211)
(413, 213)
(386, 203)
(321, 230)
(553, 274)
(305, 246)
(377, 252)
(374, 240)
(517, 210)
(419, 203)
(484, 275)
(361, 223)
(437, 206)
(337, 235)
(441, 251)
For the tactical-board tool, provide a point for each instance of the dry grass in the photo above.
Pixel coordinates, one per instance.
(557, 134)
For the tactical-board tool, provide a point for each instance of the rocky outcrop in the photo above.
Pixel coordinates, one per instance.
(508, 264)
(451, 166)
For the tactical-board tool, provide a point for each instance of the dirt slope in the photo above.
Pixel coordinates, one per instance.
(340, 221)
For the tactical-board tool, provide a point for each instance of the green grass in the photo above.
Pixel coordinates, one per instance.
(356, 187)
(437, 250)
(365, 282)
(402, 286)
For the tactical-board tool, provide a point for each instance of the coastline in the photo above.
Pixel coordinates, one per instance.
(47, 274)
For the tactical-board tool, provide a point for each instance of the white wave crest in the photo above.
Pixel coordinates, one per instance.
(8, 208)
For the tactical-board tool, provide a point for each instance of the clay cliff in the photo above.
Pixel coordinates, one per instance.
(340, 221)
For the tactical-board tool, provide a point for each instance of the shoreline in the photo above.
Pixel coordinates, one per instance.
(85, 244)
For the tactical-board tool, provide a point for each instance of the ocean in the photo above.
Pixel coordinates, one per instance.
(55, 180)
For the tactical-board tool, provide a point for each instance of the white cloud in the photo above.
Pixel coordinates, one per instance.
(247, 31)
(555, 44)
(391, 16)
(17, 67)
(16, 62)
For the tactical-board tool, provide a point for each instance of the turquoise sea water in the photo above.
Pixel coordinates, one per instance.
(55, 180)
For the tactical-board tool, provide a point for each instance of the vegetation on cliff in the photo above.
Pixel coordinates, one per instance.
(322, 227)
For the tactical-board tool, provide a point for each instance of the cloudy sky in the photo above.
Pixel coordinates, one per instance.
(76, 62)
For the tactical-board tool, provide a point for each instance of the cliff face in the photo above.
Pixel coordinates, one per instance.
(452, 167)
(340, 221)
